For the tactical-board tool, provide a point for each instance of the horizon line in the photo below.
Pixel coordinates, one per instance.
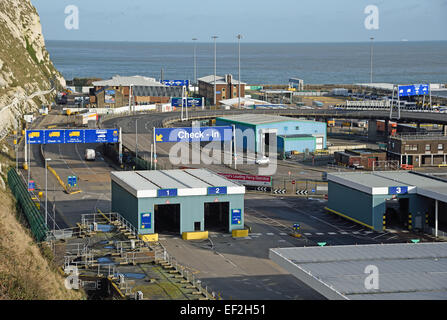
(251, 42)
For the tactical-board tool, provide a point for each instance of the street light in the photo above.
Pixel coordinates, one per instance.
(195, 64)
(371, 72)
(239, 41)
(46, 191)
(215, 37)
(136, 138)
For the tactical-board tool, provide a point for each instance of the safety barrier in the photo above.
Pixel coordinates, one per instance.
(66, 188)
(196, 235)
(33, 215)
(240, 233)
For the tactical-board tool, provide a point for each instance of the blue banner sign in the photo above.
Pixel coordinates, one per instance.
(146, 220)
(217, 190)
(190, 102)
(167, 192)
(414, 90)
(194, 134)
(236, 216)
(397, 190)
(72, 136)
(31, 185)
(176, 83)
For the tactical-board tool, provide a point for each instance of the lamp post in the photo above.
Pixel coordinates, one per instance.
(195, 64)
(371, 55)
(46, 190)
(136, 138)
(239, 42)
(215, 37)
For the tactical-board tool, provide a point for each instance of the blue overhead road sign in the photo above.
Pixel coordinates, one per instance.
(194, 134)
(414, 90)
(72, 136)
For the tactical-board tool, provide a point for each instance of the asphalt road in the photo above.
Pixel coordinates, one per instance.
(234, 268)
(240, 268)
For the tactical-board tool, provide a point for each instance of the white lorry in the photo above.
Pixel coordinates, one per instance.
(82, 119)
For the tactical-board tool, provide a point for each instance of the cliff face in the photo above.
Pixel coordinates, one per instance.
(25, 65)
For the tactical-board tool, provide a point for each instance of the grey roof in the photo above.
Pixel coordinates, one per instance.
(257, 119)
(406, 271)
(117, 81)
(219, 80)
(377, 182)
(157, 91)
(188, 182)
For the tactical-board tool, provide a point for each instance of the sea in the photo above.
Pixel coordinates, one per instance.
(403, 62)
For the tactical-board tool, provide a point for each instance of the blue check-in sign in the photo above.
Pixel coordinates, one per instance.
(146, 220)
(167, 192)
(398, 190)
(193, 134)
(236, 216)
(217, 190)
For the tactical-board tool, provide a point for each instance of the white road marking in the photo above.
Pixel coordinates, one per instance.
(319, 234)
(332, 233)
(283, 233)
(269, 234)
(307, 234)
(344, 232)
(379, 235)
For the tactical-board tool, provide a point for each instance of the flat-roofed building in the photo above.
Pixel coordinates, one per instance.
(404, 271)
(362, 158)
(178, 201)
(390, 200)
(260, 132)
(226, 88)
(114, 93)
(419, 149)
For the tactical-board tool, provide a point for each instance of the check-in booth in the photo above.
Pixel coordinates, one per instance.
(178, 201)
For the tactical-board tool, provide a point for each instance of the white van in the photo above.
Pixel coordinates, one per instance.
(90, 154)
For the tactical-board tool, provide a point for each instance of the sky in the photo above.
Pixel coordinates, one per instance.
(256, 20)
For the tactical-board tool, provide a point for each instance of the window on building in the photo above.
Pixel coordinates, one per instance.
(440, 146)
(427, 147)
(297, 128)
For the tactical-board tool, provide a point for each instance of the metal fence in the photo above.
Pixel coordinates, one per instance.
(34, 217)
(299, 186)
